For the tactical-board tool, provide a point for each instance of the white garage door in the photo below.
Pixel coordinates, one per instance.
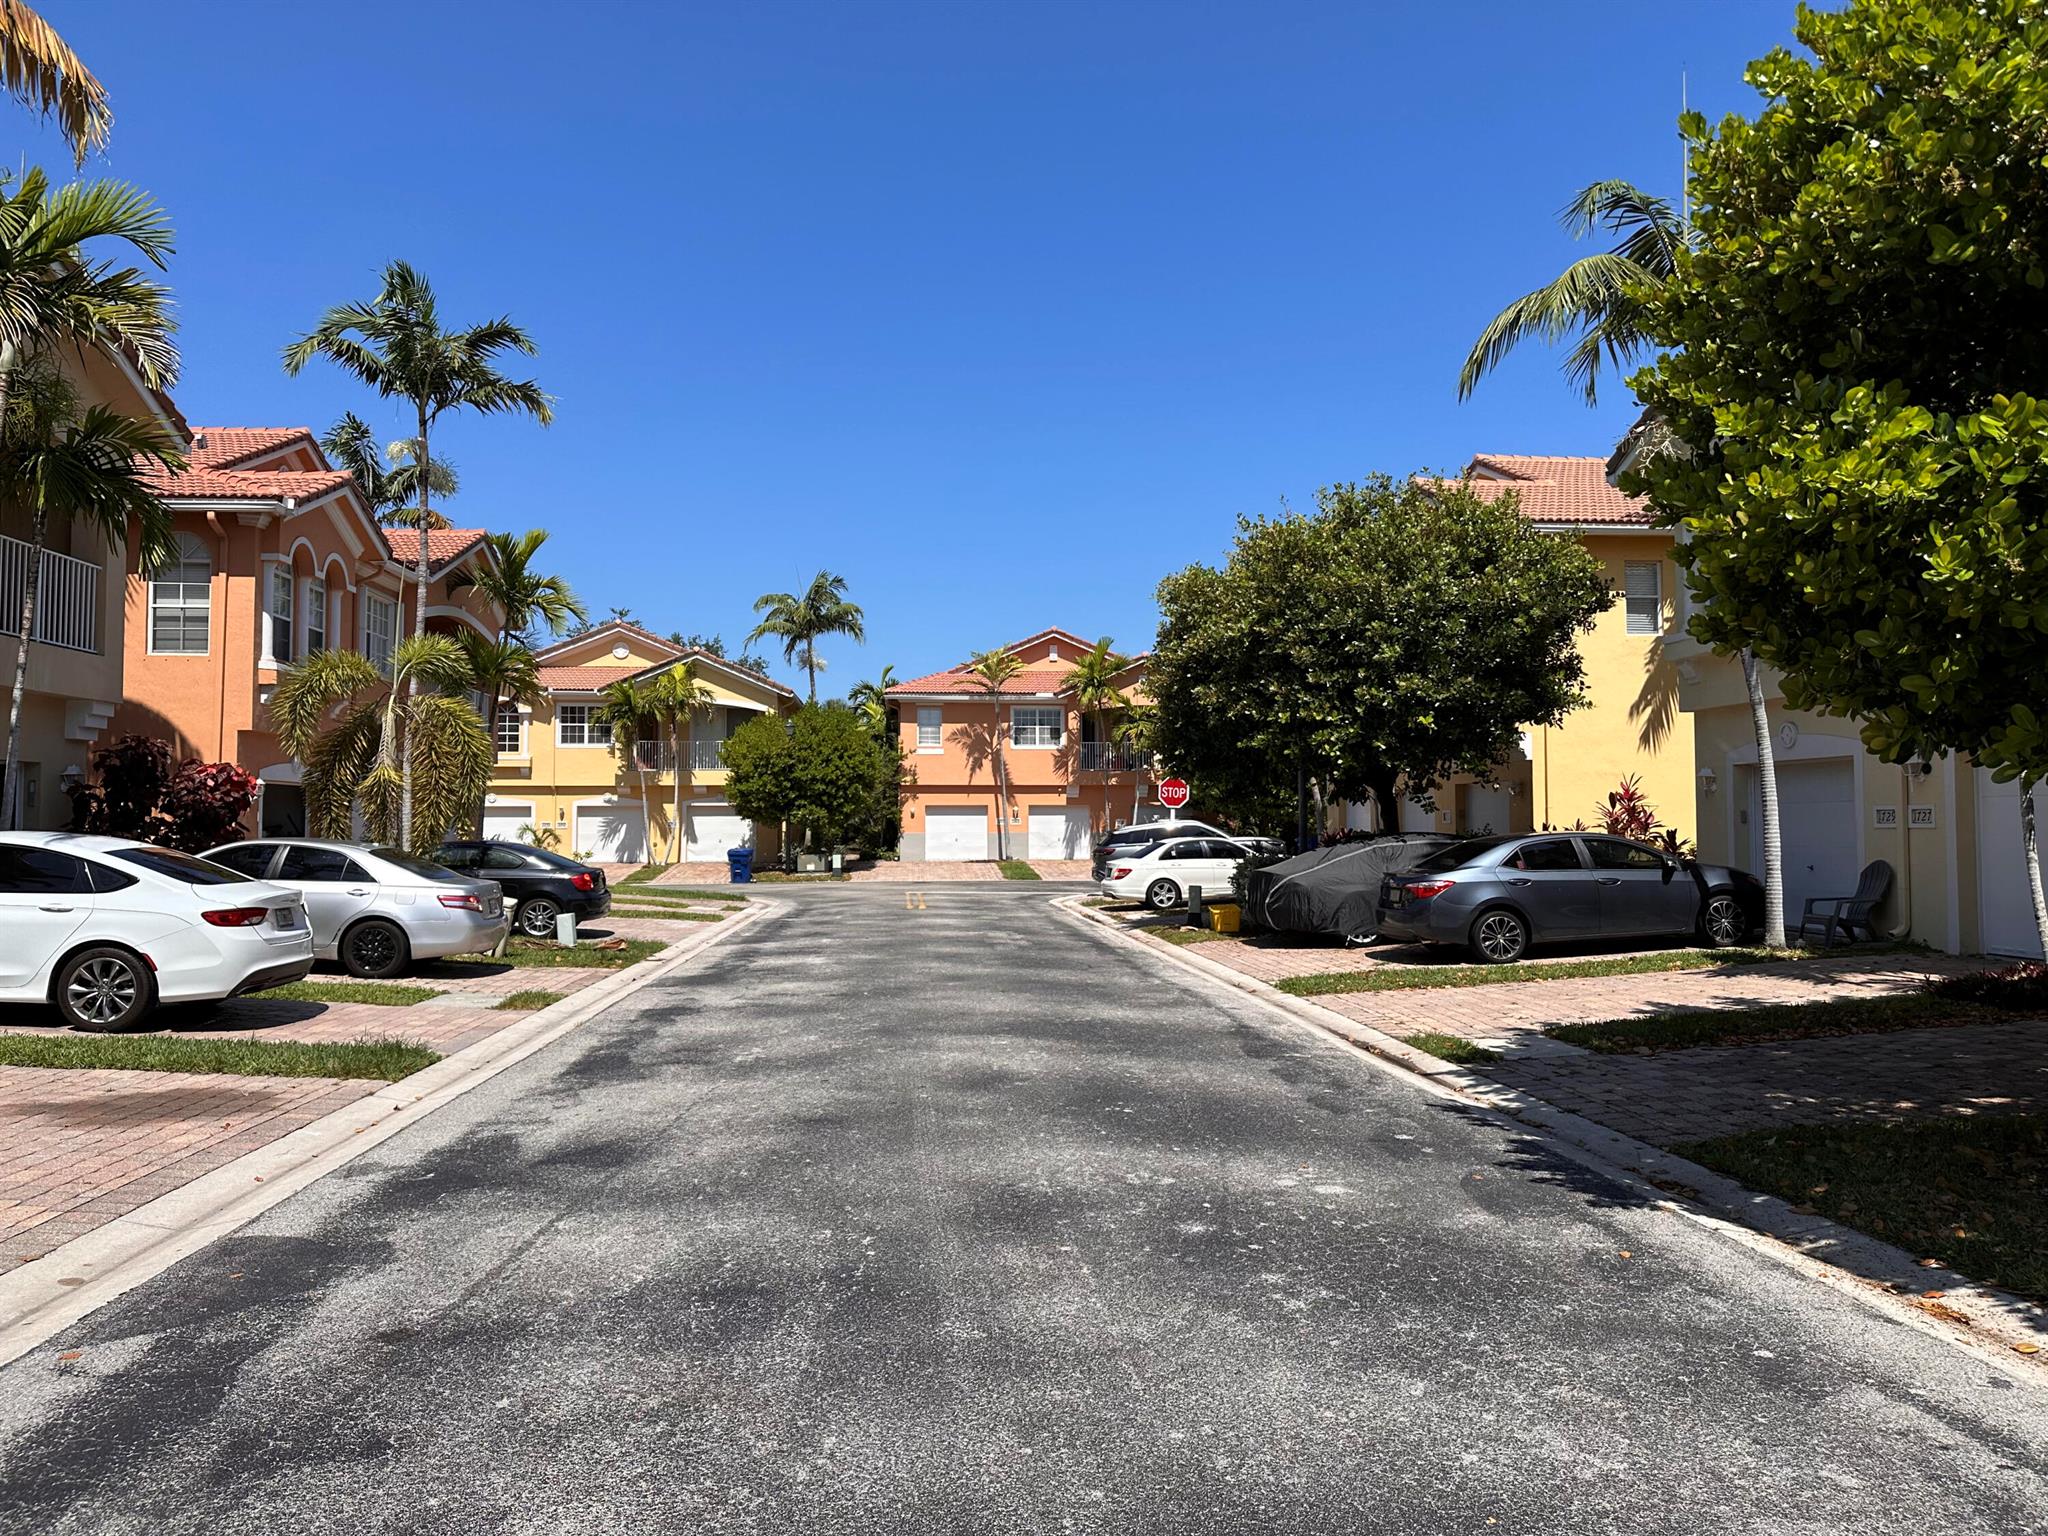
(1486, 808)
(504, 821)
(955, 833)
(714, 829)
(1816, 830)
(1059, 832)
(2002, 894)
(610, 834)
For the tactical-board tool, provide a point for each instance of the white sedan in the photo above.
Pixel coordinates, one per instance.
(106, 928)
(1161, 874)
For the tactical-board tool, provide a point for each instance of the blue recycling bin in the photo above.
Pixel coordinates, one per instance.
(739, 863)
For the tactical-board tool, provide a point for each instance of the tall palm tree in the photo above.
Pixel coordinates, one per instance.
(1134, 732)
(871, 702)
(526, 598)
(678, 697)
(40, 71)
(1092, 682)
(352, 728)
(396, 345)
(386, 478)
(503, 671)
(88, 466)
(800, 621)
(993, 670)
(1604, 300)
(626, 706)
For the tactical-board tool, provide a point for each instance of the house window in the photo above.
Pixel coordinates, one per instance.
(180, 601)
(929, 738)
(1643, 583)
(1033, 725)
(278, 613)
(581, 725)
(511, 731)
(380, 626)
(316, 616)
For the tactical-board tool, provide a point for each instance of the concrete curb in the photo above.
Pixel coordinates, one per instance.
(1989, 1322)
(41, 1298)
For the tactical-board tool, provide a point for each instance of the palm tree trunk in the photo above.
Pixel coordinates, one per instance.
(646, 813)
(1767, 788)
(1002, 788)
(2030, 847)
(31, 579)
(811, 666)
(419, 630)
(676, 842)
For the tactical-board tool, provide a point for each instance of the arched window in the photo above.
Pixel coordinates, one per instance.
(181, 601)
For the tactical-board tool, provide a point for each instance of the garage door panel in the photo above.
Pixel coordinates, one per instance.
(1817, 826)
(714, 829)
(1059, 832)
(611, 834)
(503, 822)
(955, 834)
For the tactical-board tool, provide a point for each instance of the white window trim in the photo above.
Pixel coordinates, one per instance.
(149, 614)
(588, 725)
(938, 729)
(1656, 597)
(305, 609)
(1060, 731)
(371, 595)
(273, 567)
(523, 750)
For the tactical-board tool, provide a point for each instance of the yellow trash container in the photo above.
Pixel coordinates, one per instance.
(1223, 919)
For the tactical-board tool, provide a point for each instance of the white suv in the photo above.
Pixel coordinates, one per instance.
(106, 928)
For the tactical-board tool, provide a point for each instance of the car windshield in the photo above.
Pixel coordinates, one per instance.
(412, 866)
(173, 865)
(1459, 854)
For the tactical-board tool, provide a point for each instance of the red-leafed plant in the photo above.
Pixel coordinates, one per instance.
(205, 804)
(1628, 812)
(137, 793)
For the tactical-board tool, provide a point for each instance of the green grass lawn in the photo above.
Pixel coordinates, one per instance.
(1971, 1192)
(663, 914)
(1401, 978)
(388, 994)
(545, 954)
(1452, 1048)
(1017, 869)
(1682, 1030)
(532, 997)
(381, 1060)
(643, 873)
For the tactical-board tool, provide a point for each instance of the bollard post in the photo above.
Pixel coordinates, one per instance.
(1197, 914)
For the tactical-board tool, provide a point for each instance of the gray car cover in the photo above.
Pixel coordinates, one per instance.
(1333, 891)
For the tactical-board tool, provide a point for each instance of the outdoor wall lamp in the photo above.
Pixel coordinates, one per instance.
(1708, 782)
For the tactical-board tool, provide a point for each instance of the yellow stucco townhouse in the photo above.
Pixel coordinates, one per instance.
(559, 768)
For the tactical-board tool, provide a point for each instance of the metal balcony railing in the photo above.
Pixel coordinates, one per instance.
(1106, 757)
(654, 757)
(704, 755)
(67, 597)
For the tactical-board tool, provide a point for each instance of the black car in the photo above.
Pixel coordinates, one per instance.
(1143, 834)
(542, 882)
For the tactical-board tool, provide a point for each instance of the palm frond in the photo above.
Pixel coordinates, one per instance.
(39, 70)
(337, 761)
(432, 662)
(308, 691)
(452, 757)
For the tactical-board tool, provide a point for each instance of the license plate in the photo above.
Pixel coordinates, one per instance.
(493, 905)
(284, 917)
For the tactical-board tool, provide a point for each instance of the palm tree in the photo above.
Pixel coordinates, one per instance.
(626, 706)
(352, 729)
(678, 697)
(1092, 682)
(800, 622)
(395, 344)
(1134, 732)
(1605, 299)
(89, 467)
(871, 701)
(40, 71)
(993, 670)
(524, 597)
(503, 671)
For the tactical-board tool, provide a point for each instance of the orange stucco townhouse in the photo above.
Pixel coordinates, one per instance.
(1063, 782)
(277, 558)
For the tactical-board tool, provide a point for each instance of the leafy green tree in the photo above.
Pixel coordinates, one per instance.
(395, 344)
(801, 620)
(1093, 682)
(89, 465)
(818, 769)
(1850, 348)
(1402, 631)
(992, 670)
(39, 70)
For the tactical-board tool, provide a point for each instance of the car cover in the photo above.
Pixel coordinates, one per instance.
(1335, 890)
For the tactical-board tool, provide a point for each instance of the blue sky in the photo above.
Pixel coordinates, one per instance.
(1002, 311)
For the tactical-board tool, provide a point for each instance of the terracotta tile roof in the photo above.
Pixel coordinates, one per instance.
(1556, 488)
(444, 545)
(1032, 680)
(583, 679)
(211, 470)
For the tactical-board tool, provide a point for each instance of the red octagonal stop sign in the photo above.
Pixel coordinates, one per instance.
(1173, 794)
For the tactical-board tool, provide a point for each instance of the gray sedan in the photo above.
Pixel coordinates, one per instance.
(1499, 895)
(376, 909)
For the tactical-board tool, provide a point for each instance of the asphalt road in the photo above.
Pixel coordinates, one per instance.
(960, 1219)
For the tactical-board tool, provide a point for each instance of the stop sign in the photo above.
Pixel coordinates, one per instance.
(1173, 794)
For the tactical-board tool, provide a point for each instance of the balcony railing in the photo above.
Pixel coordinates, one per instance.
(654, 757)
(67, 597)
(704, 755)
(1106, 757)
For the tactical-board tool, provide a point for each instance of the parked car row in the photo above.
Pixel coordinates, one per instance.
(105, 929)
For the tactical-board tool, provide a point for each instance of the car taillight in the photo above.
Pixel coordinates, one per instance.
(466, 903)
(583, 882)
(1123, 872)
(1422, 890)
(236, 917)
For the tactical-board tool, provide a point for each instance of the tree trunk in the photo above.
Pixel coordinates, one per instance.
(31, 580)
(1767, 792)
(676, 841)
(811, 666)
(1385, 789)
(419, 630)
(2030, 847)
(995, 743)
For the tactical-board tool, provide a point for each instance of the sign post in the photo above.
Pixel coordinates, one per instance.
(1173, 793)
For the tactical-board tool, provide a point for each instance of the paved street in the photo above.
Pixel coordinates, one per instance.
(937, 1212)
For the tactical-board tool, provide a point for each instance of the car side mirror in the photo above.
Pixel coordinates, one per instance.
(1670, 870)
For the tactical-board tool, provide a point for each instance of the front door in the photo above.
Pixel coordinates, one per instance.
(335, 886)
(1641, 891)
(1554, 887)
(45, 898)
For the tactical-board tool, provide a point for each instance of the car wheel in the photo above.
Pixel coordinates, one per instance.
(1162, 895)
(103, 989)
(1723, 923)
(375, 949)
(1499, 937)
(537, 917)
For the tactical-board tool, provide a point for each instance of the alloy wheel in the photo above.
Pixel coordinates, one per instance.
(1162, 896)
(1501, 936)
(1724, 921)
(373, 947)
(537, 918)
(102, 991)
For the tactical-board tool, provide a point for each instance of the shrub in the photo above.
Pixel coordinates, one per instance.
(139, 794)
(2021, 987)
(204, 805)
